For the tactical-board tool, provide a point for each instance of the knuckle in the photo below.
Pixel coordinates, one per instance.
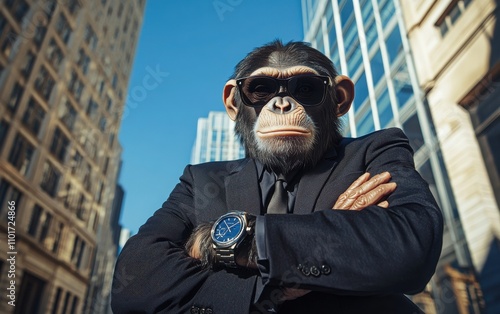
(361, 201)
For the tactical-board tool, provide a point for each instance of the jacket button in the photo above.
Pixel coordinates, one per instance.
(195, 310)
(202, 310)
(315, 271)
(208, 311)
(300, 267)
(305, 271)
(325, 269)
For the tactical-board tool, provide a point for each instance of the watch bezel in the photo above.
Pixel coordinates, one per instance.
(241, 234)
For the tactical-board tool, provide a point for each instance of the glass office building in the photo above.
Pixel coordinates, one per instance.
(366, 40)
(215, 139)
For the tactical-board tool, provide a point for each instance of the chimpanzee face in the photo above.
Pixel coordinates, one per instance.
(287, 113)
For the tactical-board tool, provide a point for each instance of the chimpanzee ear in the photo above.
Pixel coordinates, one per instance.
(344, 89)
(228, 99)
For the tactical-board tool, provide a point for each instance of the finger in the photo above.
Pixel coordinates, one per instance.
(374, 196)
(343, 197)
(293, 293)
(383, 204)
(366, 187)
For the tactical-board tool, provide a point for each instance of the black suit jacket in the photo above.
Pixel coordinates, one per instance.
(372, 257)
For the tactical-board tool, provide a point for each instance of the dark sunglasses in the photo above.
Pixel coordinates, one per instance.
(308, 90)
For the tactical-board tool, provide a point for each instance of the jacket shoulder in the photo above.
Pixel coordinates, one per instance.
(218, 166)
(390, 134)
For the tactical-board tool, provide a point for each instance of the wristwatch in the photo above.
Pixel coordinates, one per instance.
(228, 233)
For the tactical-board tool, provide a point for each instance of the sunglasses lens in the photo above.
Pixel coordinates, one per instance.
(259, 90)
(308, 90)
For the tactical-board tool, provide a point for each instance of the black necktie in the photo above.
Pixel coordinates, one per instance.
(279, 200)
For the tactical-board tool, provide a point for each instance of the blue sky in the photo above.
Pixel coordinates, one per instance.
(186, 51)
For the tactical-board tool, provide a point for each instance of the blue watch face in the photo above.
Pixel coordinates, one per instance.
(228, 229)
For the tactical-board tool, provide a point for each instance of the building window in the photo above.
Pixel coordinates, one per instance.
(28, 64)
(39, 35)
(75, 86)
(8, 38)
(384, 108)
(21, 154)
(48, 7)
(63, 28)
(413, 130)
(394, 44)
(44, 83)
(76, 164)
(365, 123)
(30, 294)
(99, 192)
(387, 11)
(402, 84)
(109, 103)
(102, 124)
(57, 300)
(451, 15)
(35, 220)
(92, 108)
(15, 97)
(90, 37)
(50, 179)
(8, 193)
(59, 145)
(19, 10)
(87, 171)
(57, 237)
(81, 208)
(4, 129)
(83, 61)
(77, 252)
(67, 113)
(66, 302)
(73, 6)
(377, 67)
(74, 304)
(54, 54)
(33, 116)
(45, 227)
(485, 116)
(68, 197)
(111, 139)
(3, 22)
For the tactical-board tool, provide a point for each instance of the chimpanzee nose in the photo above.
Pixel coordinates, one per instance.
(281, 105)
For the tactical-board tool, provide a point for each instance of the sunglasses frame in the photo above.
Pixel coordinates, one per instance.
(282, 82)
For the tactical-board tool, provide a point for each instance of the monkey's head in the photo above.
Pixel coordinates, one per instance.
(286, 101)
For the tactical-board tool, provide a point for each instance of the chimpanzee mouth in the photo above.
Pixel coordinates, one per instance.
(283, 131)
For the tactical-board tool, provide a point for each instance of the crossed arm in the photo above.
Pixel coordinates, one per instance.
(363, 192)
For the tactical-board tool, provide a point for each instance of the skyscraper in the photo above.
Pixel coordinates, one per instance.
(216, 140)
(367, 40)
(456, 47)
(64, 71)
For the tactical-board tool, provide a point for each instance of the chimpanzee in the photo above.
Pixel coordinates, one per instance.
(308, 222)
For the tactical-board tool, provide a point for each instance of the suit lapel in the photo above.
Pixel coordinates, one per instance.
(243, 189)
(312, 182)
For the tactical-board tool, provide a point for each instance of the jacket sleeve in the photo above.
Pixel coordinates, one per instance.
(154, 274)
(373, 251)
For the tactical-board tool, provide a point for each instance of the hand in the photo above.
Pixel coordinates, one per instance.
(199, 245)
(365, 192)
(293, 293)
